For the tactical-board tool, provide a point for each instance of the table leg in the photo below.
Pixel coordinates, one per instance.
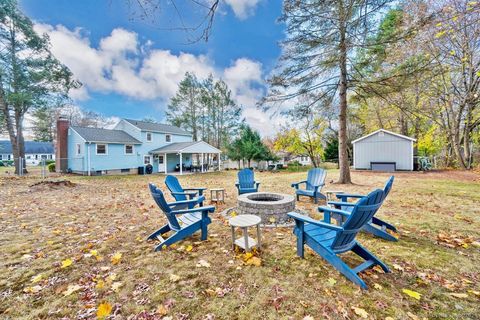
(245, 236)
(258, 237)
(233, 238)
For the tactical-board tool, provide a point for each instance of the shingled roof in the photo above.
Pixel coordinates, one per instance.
(105, 135)
(157, 127)
(31, 147)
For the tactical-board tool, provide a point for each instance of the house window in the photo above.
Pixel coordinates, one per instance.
(78, 149)
(44, 156)
(149, 137)
(101, 149)
(160, 159)
(36, 157)
(50, 156)
(146, 160)
(29, 157)
(168, 138)
(128, 149)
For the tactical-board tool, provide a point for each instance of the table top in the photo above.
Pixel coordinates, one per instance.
(217, 189)
(244, 220)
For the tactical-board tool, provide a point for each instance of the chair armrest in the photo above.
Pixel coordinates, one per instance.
(196, 189)
(340, 204)
(332, 210)
(199, 209)
(187, 202)
(303, 218)
(257, 183)
(297, 183)
(345, 196)
(183, 193)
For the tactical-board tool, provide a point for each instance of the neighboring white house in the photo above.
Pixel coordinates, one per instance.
(35, 151)
(383, 150)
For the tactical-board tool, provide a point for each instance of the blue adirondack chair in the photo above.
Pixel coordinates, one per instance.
(329, 240)
(180, 194)
(375, 226)
(188, 222)
(313, 185)
(246, 182)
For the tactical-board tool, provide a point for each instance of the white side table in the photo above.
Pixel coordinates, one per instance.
(331, 194)
(244, 221)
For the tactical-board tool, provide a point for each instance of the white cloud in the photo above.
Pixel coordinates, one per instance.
(121, 64)
(243, 8)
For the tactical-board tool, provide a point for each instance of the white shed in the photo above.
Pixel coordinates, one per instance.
(383, 150)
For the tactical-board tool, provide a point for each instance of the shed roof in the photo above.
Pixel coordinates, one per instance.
(385, 131)
(31, 147)
(157, 127)
(105, 135)
(187, 147)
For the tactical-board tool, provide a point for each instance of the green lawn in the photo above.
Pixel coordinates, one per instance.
(92, 223)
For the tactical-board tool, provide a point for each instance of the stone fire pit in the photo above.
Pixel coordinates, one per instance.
(271, 207)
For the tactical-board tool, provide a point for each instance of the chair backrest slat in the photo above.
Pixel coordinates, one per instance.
(174, 186)
(363, 211)
(159, 198)
(315, 177)
(246, 178)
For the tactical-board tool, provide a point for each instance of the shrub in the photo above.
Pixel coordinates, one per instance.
(50, 161)
(51, 167)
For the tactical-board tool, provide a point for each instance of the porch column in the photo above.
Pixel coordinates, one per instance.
(165, 162)
(201, 162)
(219, 161)
(181, 164)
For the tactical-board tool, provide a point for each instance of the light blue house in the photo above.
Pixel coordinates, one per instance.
(132, 147)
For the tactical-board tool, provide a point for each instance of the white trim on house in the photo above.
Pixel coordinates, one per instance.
(150, 161)
(385, 131)
(146, 136)
(78, 134)
(106, 149)
(125, 149)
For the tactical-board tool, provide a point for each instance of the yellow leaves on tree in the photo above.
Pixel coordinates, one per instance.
(104, 310)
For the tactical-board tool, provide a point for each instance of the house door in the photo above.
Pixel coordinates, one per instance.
(161, 163)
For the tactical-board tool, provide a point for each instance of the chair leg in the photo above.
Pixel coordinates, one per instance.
(160, 231)
(341, 266)
(298, 197)
(382, 223)
(204, 231)
(379, 232)
(315, 199)
(300, 245)
(367, 255)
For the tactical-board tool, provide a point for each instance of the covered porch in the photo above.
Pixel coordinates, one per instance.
(186, 157)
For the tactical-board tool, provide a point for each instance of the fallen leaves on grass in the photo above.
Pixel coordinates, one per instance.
(66, 263)
(174, 277)
(104, 310)
(331, 282)
(116, 258)
(203, 263)
(37, 278)
(360, 312)
(34, 289)
(459, 295)
(454, 240)
(71, 289)
(412, 294)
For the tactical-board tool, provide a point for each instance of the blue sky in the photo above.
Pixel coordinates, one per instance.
(130, 68)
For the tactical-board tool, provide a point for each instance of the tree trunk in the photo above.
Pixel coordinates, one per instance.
(343, 162)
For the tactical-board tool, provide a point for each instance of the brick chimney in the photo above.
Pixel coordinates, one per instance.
(61, 153)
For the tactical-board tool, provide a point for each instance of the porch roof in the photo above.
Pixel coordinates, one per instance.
(187, 147)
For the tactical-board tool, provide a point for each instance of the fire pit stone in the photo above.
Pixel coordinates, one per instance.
(271, 207)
